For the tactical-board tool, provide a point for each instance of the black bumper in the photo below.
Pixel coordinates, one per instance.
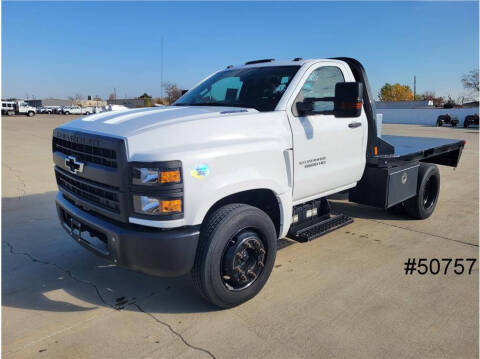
(153, 251)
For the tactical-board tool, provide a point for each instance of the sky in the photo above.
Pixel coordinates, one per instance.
(59, 49)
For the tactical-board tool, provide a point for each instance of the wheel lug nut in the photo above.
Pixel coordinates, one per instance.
(261, 264)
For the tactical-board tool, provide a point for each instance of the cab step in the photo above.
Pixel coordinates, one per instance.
(319, 229)
(313, 219)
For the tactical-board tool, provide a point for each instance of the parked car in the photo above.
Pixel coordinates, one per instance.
(88, 110)
(45, 110)
(470, 120)
(447, 120)
(72, 110)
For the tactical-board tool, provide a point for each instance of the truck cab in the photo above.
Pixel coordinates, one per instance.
(248, 156)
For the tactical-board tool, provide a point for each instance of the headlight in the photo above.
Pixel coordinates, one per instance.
(155, 176)
(156, 206)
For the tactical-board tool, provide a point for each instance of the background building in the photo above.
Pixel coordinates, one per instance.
(128, 102)
(49, 102)
(404, 104)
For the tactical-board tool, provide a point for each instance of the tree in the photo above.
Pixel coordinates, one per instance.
(160, 101)
(173, 92)
(450, 103)
(430, 96)
(147, 99)
(395, 92)
(470, 82)
(145, 96)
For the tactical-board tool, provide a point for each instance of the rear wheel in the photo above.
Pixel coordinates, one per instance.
(30, 113)
(439, 123)
(66, 113)
(465, 124)
(428, 189)
(235, 256)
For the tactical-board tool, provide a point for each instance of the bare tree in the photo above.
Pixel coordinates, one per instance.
(172, 91)
(430, 96)
(470, 82)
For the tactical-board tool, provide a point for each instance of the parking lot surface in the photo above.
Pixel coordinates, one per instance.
(344, 295)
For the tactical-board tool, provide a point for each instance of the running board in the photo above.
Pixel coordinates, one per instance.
(320, 228)
(313, 219)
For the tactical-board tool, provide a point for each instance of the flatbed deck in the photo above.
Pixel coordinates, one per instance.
(407, 148)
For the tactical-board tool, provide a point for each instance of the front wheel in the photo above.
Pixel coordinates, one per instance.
(439, 123)
(30, 113)
(428, 189)
(66, 113)
(235, 255)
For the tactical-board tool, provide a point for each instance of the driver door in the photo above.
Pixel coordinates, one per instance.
(329, 152)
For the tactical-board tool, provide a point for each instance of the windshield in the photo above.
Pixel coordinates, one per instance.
(258, 87)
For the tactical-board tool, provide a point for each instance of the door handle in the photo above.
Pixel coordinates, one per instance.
(354, 124)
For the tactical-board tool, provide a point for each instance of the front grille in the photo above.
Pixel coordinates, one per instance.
(107, 198)
(86, 153)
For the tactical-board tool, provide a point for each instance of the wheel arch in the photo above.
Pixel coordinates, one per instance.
(262, 198)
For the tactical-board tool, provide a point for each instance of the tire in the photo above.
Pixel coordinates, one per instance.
(454, 124)
(224, 233)
(87, 113)
(66, 113)
(428, 189)
(30, 113)
(439, 123)
(465, 124)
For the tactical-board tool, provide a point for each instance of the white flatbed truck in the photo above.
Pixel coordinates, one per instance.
(248, 156)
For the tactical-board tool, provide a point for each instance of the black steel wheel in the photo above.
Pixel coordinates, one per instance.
(243, 260)
(428, 189)
(235, 255)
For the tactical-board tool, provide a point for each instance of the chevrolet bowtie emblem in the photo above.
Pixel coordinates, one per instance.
(73, 165)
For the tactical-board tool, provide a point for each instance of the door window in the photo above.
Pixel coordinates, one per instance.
(320, 84)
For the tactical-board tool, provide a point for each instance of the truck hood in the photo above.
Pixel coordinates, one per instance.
(129, 123)
(187, 132)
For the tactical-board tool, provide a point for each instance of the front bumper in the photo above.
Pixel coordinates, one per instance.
(153, 251)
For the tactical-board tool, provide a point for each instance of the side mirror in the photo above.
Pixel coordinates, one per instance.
(304, 108)
(348, 99)
(184, 92)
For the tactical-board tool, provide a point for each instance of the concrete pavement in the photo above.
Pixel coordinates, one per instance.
(341, 296)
